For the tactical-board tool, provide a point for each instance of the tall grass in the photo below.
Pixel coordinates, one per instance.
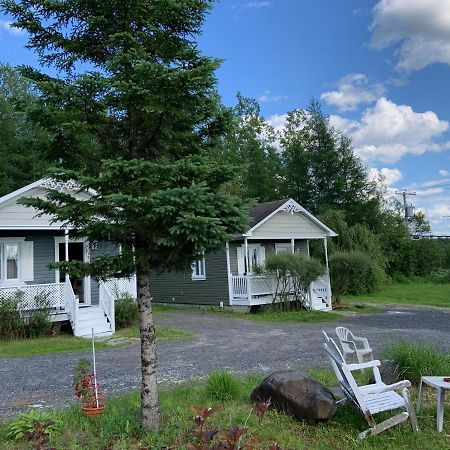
(222, 386)
(417, 360)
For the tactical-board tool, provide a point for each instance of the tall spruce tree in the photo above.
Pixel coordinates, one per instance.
(133, 107)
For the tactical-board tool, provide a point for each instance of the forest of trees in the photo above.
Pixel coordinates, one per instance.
(308, 161)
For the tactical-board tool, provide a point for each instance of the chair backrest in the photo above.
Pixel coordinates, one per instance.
(344, 334)
(331, 343)
(344, 375)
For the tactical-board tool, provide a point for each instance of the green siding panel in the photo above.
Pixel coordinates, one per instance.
(176, 287)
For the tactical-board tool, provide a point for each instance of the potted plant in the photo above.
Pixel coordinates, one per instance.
(88, 390)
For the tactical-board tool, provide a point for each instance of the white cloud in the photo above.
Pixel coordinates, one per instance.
(6, 27)
(444, 173)
(420, 28)
(267, 97)
(277, 121)
(353, 90)
(389, 176)
(386, 132)
(257, 4)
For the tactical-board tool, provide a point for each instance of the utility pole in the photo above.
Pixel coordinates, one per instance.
(404, 194)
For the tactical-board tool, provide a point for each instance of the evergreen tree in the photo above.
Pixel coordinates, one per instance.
(137, 124)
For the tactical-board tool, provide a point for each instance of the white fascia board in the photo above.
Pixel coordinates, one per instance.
(19, 192)
(31, 227)
(328, 231)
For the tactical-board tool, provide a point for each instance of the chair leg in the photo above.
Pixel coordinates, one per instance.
(410, 409)
(399, 418)
(440, 409)
(419, 398)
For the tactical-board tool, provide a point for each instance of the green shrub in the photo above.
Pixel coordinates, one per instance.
(416, 360)
(353, 273)
(222, 386)
(12, 324)
(127, 312)
(24, 423)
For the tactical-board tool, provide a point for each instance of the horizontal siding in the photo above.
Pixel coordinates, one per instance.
(285, 225)
(176, 287)
(102, 249)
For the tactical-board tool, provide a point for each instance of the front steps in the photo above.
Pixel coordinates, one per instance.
(92, 317)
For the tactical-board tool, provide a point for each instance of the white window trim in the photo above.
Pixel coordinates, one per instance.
(11, 281)
(283, 245)
(252, 246)
(202, 276)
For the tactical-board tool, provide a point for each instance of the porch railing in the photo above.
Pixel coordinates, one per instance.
(106, 301)
(245, 285)
(36, 296)
(72, 305)
(118, 286)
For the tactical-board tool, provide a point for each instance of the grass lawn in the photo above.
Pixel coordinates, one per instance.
(161, 333)
(118, 427)
(415, 293)
(68, 343)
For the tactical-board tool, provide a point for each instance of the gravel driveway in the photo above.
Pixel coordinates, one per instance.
(221, 342)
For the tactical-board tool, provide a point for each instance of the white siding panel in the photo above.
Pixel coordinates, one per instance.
(284, 225)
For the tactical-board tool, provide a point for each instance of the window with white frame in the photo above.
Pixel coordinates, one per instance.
(256, 256)
(198, 269)
(16, 260)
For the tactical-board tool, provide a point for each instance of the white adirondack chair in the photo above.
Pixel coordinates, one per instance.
(357, 347)
(374, 398)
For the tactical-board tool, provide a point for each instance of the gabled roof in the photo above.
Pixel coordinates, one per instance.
(262, 212)
(19, 192)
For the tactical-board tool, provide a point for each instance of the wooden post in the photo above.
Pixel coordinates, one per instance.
(66, 249)
(247, 274)
(293, 245)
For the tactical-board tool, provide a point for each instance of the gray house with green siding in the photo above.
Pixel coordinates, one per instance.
(28, 243)
(228, 278)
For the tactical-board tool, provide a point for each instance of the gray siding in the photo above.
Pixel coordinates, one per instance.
(176, 287)
(43, 252)
(102, 249)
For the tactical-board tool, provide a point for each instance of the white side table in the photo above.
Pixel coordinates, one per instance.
(441, 386)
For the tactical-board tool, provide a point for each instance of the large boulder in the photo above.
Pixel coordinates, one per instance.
(296, 393)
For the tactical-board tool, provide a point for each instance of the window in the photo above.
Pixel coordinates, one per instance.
(198, 269)
(256, 257)
(12, 261)
(16, 260)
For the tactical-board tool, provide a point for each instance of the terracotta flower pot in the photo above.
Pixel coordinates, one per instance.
(88, 411)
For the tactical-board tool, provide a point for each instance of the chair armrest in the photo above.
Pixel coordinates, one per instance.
(364, 365)
(351, 343)
(388, 387)
(363, 340)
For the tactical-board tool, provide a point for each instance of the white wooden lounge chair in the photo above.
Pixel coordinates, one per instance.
(374, 398)
(357, 347)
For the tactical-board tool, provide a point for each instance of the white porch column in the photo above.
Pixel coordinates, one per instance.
(247, 275)
(230, 277)
(293, 245)
(66, 249)
(327, 273)
(307, 248)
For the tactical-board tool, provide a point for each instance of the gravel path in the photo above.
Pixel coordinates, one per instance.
(241, 345)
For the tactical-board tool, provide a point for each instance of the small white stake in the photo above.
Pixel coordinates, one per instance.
(95, 370)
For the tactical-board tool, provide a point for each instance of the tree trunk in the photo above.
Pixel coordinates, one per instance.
(149, 390)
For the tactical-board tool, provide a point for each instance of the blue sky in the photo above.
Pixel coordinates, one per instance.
(381, 69)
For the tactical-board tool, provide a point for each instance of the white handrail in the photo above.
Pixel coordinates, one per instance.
(106, 301)
(72, 305)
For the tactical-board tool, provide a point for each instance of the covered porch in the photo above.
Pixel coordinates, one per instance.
(280, 226)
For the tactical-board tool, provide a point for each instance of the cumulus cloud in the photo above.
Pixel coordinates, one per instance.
(444, 173)
(353, 90)
(277, 121)
(389, 176)
(6, 27)
(419, 28)
(387, 131)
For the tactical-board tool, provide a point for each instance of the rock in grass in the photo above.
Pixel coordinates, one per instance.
(297, 394)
